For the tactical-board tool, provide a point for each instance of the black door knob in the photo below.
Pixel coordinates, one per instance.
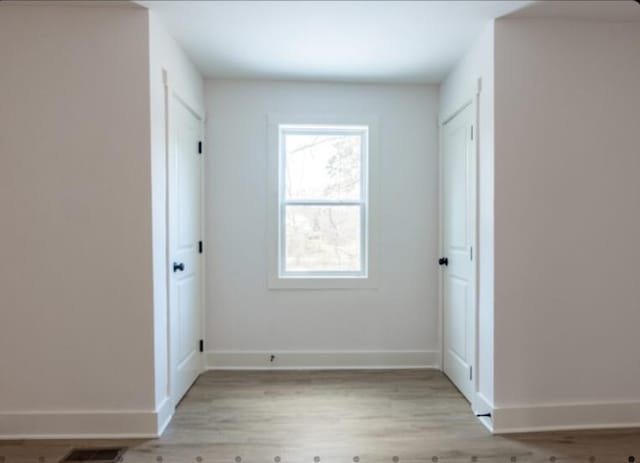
(178, 266)
(443, 261)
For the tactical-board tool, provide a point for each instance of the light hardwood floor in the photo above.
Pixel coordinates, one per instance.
(337, 416)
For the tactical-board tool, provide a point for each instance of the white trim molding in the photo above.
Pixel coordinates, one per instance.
(164, 414)
(482, 405)
(81, 424)
(483, 409)
(321, 360)
(558, 417)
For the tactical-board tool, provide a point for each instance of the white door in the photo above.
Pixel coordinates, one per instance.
(457, 262)
(185, 262)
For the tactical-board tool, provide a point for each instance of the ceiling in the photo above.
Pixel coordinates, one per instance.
(364, 41)
(360, 41)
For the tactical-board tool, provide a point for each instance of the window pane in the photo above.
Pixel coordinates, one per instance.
(322, 238)
(322, 166)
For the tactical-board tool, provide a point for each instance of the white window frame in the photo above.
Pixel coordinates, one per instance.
(365, 126)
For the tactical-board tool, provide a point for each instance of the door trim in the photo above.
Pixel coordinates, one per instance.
(172, 95)
(472, 101)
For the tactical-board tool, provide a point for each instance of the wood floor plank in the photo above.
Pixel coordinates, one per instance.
(375, 416)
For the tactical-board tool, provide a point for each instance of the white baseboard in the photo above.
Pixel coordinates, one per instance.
(560, 417)
(164, 413)
(76, 425)
(321, 360)
(483, 406)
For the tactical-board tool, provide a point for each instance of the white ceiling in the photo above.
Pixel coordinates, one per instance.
(370, 41)
(363, 41)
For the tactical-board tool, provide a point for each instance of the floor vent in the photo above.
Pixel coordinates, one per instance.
(112, 454)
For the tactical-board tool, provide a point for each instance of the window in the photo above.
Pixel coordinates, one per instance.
(323, 217)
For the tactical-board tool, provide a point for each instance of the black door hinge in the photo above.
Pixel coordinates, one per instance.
(200, 247)
(202, 345)
(199, 147)
(443, 261)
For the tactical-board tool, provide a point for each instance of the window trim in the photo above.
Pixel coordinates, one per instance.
(277, 278)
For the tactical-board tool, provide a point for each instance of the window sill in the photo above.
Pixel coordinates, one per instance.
(277, 283)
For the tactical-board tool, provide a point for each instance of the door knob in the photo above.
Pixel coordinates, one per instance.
(443, 261)
(178, 266)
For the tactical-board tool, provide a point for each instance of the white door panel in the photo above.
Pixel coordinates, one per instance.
(185, 264)
(458, 231)
(456, 296)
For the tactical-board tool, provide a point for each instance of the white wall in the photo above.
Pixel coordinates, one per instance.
(165, 56)
(243, 315)
(458, 87)
(567, 222)
(76, 331)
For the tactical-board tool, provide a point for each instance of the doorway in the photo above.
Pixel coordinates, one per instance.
(185, 212)
(458, 247)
